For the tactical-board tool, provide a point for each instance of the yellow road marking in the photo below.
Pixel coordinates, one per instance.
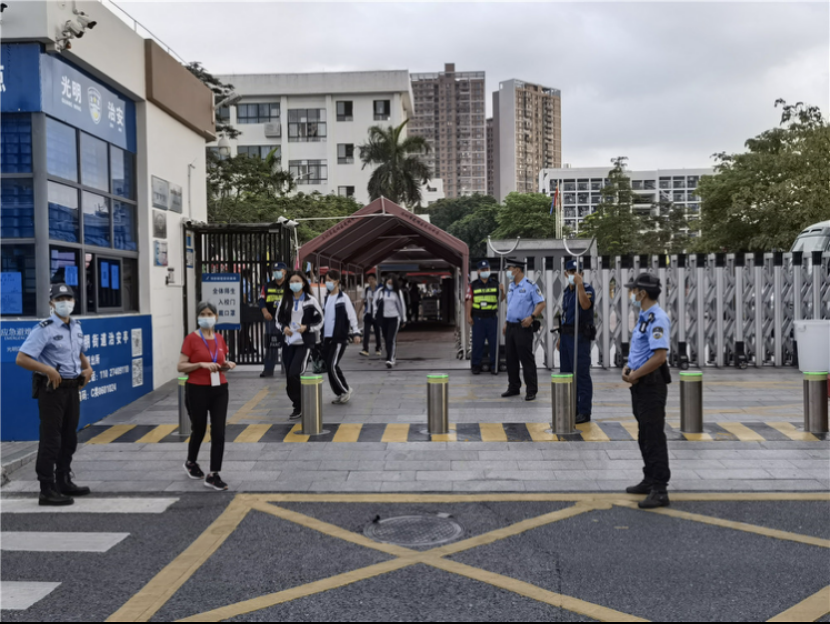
(596, 612)
(632, 428)
(113, 433)
(153, 596)
(452, 436)
(248, 407)
(538, 432)
(397, 432)
(789, 430)
(698, 437)
(742, 432)
(296, 434)
(738, 526)
(157, 434)
(347, 433)
(252, 433)
(809, 610)
(592, 433)
(492, 432)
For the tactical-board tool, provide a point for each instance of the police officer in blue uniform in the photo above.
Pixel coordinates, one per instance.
(483, 296)
(525, 303)
(577, 288)
(54, 352)
(648, 372)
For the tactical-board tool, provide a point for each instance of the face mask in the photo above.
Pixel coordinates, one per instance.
(279, 275)
(634, 303)
(389, 285)
(484, 274)
(295, 287)
(570, 279)
(330, 286)
(64, 308)
(207, 322)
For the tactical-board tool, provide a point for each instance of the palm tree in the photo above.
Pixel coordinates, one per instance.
(400, 171)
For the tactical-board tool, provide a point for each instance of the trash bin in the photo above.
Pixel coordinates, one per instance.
(813, 338)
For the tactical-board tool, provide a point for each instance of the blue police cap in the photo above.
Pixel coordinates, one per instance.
(60, 290)
(483, 265)
(280, 266)
(570, 265)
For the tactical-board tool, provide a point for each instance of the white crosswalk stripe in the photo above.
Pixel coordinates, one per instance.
(41, 541)
(18, 596)
(90, 505)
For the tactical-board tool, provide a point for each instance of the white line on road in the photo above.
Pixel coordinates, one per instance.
(19, 596)
(90, 505)
(41, 541)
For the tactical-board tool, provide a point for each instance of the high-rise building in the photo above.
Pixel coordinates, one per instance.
(527, 135)
(491, 174)
(450, 114)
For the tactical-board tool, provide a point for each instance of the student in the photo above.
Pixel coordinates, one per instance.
(299, 320)
(204, 358)
(370, 322)
(390, 309)
(339, 329)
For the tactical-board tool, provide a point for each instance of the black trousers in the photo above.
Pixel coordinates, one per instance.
(60, 411)
(295, 359)
(648, 401)
(369, 322)
(390, 328)
(333, 352)
(519, 349)
(202, 400)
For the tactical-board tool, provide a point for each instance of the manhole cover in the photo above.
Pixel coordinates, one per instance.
(414, 531)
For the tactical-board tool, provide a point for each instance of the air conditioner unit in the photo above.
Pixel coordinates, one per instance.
(272, 130)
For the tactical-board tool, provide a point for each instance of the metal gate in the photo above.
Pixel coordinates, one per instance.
(248, 249)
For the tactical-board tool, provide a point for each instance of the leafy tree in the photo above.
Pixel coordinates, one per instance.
(761, 199)
(663, 232)
(449, 210)
(526, 215)
(220, 92)
(245, 177)
(400, 170)
(614, 223)
(476, 227)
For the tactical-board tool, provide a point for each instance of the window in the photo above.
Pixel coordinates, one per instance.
(679, 196)
(679, 182)
(582, 185)
(223, 114)
(94, 165)
(637, 185)
(258, 151)
(692, 181)
(383, 110)
(109, 283)
(16, 146)
(345, 153)
(20, 260)
(345, 191)
(96, 220)
(124, 227)
(650, 185)
(64, 220)
(596, 185)
(122, 169)
(596, 198)
(308, 171)
(61, 150)
(17, 208)
(569, 185)
(665, 183)
(307, 124)
(257, 113)
(570, 198)
(64, 266)
(344, 111)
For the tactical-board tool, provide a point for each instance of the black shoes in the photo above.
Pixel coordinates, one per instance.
(50, 497)
(644, 487)
(215, 482)
(530, 396)
(263, 374)
(193, 471)
(476, 370)
(510, 393)
(295, 415)
(583, 418)
(67, 488)
(655, 499)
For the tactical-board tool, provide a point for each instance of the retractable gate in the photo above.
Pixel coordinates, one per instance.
(250, 250)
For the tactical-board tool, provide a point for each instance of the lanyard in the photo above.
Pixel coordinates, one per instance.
(214, 356)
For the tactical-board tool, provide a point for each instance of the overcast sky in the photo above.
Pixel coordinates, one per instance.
(666, 84)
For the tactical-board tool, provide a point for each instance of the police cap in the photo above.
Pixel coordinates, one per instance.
(280, 266)
(483, 265)
(570, 265)
(60, 290)
(514, 262)
(645, 280)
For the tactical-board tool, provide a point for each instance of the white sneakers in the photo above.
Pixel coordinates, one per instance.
(343, 398)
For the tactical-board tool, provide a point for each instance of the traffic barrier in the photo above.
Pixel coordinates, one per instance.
(815, 402)
(563, 421)
(311, 400)
(691, 402)
(438, 404)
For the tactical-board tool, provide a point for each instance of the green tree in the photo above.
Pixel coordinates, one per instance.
(663, 232)
(615, 224)
(476, 227)
(221, 90)
(526, 215)
(400, 171)
(761, 199)
(244, 178)
(449, 210)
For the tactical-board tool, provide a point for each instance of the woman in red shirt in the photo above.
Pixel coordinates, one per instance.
(204, 358)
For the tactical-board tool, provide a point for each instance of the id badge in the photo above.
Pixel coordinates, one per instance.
(215, 380)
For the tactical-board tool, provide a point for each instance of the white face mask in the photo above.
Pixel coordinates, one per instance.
(330, 286)
(634, 303)
(295, 286)
(207, 322)
(570, 279)
(389, 285)
(64, 308)
(279, 275)
(484, 275)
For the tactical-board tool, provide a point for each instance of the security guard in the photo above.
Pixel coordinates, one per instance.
(525, 303)
(586, 333)
(649, 375)
(54, 352)
(269, 301)
(482, 314)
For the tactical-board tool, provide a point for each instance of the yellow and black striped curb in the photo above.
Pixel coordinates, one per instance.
(460, 432)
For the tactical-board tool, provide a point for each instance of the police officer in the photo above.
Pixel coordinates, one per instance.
(649, 375)
(269, 301)
(578, 289)
(54, 352)
(525, 303)
(482, 314)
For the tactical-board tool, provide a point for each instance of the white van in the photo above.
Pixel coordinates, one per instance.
(814, 238)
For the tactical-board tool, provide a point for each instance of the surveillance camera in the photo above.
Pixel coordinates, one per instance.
(230, 99)
(281, 220)
(71, 28)
(85, 21)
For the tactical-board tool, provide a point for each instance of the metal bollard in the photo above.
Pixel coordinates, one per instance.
(312, 404)
(691, 402)
(438, 404)
(563, 420)
(815, 402)
(184, 415)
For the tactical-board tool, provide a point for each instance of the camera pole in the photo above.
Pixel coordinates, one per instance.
(577, 256)
(501, 255)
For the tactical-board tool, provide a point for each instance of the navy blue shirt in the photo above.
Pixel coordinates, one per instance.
(57, 344)
(586, 317)
(522, 299)
(651, 333)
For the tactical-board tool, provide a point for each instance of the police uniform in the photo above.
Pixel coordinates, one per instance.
(648, 394)
(522, 299)
(584, 385)
(484, 295)
(270, 298)
(59, 345)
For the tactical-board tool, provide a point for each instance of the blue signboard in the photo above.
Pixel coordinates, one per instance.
(224, 291)
(11, 292)
(20, 77)
(120, 350)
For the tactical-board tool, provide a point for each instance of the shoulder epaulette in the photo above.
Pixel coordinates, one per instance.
(46, 323)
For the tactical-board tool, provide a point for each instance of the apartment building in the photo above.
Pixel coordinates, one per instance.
(581, 190)
(527, 135)
(450, 114)
(491, 174)
(316, 122)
